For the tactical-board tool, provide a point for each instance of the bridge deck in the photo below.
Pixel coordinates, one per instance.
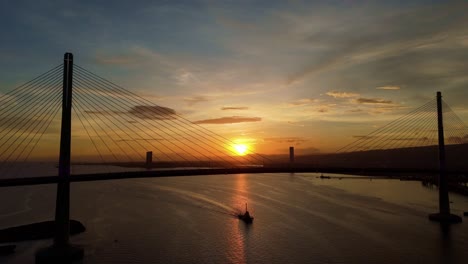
(220, 171)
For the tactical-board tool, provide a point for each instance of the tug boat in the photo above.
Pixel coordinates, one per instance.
(246, 216)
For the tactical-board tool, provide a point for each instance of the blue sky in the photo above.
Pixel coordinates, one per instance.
(310, 73)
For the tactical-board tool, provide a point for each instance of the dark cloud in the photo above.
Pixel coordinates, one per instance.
(235, 108)
(197, 99)
(389, 87)
(102, 112)
(153, 112)
(229, 120)
(373, 101)
(291, 140)
(356, 110)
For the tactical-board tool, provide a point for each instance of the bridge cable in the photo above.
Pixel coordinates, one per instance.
(125, 111)
(140, 100)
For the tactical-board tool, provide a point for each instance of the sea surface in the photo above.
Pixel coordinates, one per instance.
(299, 218)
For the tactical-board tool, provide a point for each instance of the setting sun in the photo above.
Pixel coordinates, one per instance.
(241, 149)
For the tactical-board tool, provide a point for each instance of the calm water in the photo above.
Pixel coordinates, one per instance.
(298, 219)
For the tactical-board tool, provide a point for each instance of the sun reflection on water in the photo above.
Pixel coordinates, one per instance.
(237, 239)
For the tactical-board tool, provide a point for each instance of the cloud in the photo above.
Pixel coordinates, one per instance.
(229, 120)
(133, 56)
(291, 140)
(356, 110)
(322, 110)
(302, 102)
(378, 35)
(115, 60)
(92, 112)
(153, 112)
(388, 88)
(197, 99)
(235, 108)
(335, 94)
(377, 101)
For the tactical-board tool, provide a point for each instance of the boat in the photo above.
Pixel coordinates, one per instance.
(246, 217)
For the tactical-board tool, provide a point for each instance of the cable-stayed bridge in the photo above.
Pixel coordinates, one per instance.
(115, 128)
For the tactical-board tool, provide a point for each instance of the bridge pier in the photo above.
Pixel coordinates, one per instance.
(62, 251)
(444, 215)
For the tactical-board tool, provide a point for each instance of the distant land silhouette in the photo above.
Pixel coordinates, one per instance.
(425, 158)
(412, 158)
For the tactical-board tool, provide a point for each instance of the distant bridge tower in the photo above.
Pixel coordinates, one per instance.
(291, 156)
(62, 251)
(149, 159)
(444, 215)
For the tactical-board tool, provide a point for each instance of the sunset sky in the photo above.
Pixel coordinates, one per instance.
(309, 74)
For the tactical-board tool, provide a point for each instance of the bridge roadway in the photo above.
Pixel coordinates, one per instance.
(218, 171)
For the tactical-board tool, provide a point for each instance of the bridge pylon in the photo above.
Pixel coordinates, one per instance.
(61, 251)
(444, 215)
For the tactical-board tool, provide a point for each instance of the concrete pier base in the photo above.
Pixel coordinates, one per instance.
(63, 254)
(445, 218)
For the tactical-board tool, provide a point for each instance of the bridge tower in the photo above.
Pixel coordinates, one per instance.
(62, 251)
(444, 215)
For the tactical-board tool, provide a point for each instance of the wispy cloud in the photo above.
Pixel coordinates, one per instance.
(390, 87)
(115, 60)
(302, 102)
(153, 112)
(378, 101)
(336, 94)
(291, 140)
(234, 108)
(229, 120)
(197, 99)
(355, 110)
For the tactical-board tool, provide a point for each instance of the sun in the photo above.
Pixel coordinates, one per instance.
(241, 149)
